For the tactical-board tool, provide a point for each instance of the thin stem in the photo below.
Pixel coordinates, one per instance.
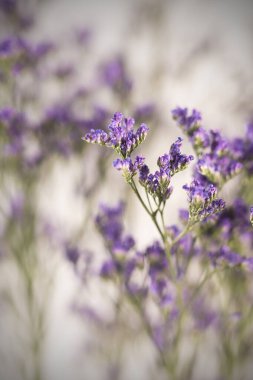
(183, 233)
(168, 366)
(150, 213)
(150, 206)
(163, 234)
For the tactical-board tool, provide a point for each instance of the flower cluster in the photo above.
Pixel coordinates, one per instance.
(125, 260)
(158, 184)
(203, 201)
(216, 163)
(123, 139)
(160, 284)
(121, 136)
(242, 148)
(113, 74)
(109, 224)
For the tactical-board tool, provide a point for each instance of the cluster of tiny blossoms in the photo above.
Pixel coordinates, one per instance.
(123, 138)
(214, 236)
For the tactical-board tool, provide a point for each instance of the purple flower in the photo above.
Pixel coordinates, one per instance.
(129, 168)
(17, 207)
(145, 112)
(203, 201)
(22, 53)
(121, 136)
(224, 256)
(108, 269)
(97, 136)
(109, 223)
(248, 264)
(204, 316)
(16, 14)
(242, 149)
(184, 215)
(200, 139)
(219, 145)
(218, 170)
(187, 123)
(72, 254)
(158, 184)
(175, 161)
(114, 75)
(156, 256)
(216, 162)
(16, 129)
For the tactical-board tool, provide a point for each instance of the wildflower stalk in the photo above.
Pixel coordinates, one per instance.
(165, 268)
(183, 233)
(163, 233)
(150, 213)
(169, 366)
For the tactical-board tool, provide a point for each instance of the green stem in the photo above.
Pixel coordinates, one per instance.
(150, 213)
(163, 234)
(183, 233)
(149, 203)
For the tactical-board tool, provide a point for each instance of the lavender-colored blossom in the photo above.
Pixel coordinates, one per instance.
(72, 254)
(158, 184)
(24, 54)
(219, 145)
(128, 167)
(218, 170)
(16, 128)
(16, 14)
(203, 315)
(156, 256)
(215, 163)
(248, 264)
(121, 136)
(108, 269)
(17, 207)
(144, 112)
(242, 149)
(200, 139)
(188, 122)
(121, 263)
(114, 75)
(175, 161)
(224, 256)
(233, 222)
(109, 223)
(190, 125)
(184, 246)
(203, 201)
(160, 285)
(184, 215)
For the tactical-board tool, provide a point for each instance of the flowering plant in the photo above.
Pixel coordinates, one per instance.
(196, 277)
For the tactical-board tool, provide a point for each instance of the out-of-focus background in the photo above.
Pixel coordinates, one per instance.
(192, 53)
